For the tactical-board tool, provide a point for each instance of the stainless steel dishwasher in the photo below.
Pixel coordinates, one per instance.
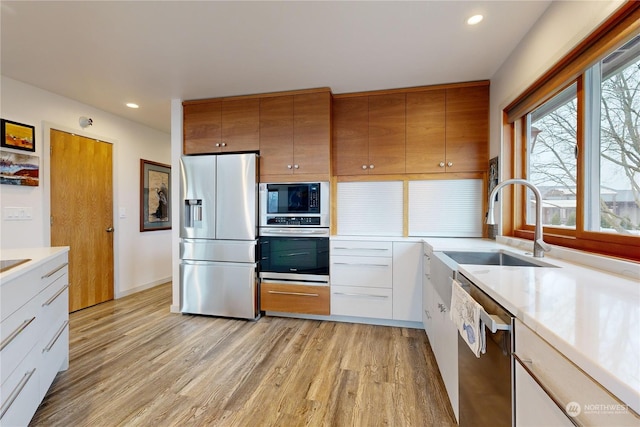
(485, 383)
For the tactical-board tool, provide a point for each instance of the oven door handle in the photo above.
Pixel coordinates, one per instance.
(296, 232)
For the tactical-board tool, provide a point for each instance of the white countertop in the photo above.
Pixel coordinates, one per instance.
(590, 315)
(37, 256)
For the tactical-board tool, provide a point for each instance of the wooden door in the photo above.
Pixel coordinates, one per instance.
(387, 129)
(426, 132)
(241, 125)
(202, 124)
(467, 129)
(312, 134)
(351, 136)
(276, 136)
(82, 215)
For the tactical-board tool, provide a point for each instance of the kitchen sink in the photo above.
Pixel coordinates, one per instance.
(8, 264)
(494, 258)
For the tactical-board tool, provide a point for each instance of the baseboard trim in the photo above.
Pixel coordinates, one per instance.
(140, 288)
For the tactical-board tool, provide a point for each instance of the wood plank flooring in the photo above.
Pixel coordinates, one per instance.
(133, 363)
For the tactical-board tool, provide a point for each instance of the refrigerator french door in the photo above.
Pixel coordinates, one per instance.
(218, 223)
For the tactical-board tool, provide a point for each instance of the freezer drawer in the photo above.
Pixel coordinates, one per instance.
(219, 289)
(218, 250)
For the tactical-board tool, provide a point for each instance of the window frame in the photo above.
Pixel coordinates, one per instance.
(621, 27)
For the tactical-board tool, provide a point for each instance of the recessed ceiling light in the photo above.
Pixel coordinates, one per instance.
(132, 105)
(475, 19)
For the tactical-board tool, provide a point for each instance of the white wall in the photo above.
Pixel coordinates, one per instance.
(142, 260)
(562, 27)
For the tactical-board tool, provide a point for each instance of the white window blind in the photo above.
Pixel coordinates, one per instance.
(370, 208)
(446, 208)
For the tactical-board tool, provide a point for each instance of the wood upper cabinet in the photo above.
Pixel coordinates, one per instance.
(221, 126)
(295, 137)
(467, 128)
(351, 136)
(428, 130)
(276, 135)
(387, 130)
(426, 138)
(369, 135)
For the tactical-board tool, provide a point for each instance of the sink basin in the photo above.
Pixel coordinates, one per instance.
(8, 264)
(494, 258)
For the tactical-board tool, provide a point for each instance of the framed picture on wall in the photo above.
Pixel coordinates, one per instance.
(155, 198)
(17, 135)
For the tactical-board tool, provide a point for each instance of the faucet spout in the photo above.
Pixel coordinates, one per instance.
(539, 245)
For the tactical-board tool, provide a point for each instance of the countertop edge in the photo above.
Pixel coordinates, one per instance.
(38, 257)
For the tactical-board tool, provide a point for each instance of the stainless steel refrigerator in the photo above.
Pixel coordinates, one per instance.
(218, 230)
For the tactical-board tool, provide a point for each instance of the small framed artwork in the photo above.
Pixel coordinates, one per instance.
(19, 169)
(17, 135)
(155, 198)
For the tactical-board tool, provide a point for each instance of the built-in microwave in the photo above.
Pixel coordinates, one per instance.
(299, 204)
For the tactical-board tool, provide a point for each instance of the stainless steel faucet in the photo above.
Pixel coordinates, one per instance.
(539, 246)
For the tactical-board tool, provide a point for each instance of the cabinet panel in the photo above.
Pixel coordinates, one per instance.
(407, 281)
(276, 135)
(467, 128)
(202, 127)
(289, 298)
(426, 132)
(361, 248)
(20, 393)
(361, 302)
(351, 136)
(387, 129)
(534, 407)
(241, 125)
(312, 133)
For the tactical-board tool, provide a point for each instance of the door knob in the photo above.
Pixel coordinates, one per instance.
(296, 166)
(364, 166)
(109, 230)
(288, 166)
(450, 164)
(224, 144)
(370, 166)
(441, 164)
(217, 144)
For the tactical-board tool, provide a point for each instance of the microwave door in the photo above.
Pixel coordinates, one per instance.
(198, 197)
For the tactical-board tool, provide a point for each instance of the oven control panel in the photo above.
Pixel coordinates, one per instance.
(293, 220)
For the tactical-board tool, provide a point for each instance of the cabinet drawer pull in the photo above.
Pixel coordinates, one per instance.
(55, 338)
(348, 294)
(53, 298)
(427, 313)
(344, 248)
(299, 294)
(15, 333)
(555, 400)
(361, 264)
(16, 391)
(52, 272)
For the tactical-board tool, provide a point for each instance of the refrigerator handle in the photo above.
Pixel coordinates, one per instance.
(192, 212)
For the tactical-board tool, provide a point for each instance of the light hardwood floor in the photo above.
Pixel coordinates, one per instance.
(133, 363)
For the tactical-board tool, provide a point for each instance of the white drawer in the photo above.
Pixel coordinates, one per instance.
(54, 301)
(565, 383)
(16, 292)
(19, 393)
(361, 248)
(362, 271)
(18, 335)
(54, 353)
(361, 302)
(54, 269)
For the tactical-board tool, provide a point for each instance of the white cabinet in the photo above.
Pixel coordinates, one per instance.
(407, 281)
(427, 295)
(376, 279)
(550, 387)
(362, 279)
(33, 335)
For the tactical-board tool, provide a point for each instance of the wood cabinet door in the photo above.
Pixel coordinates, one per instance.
(241, 125)
(312, 133)
(276, 135)
(387, 134)
(426, 132)
(351, 136)
(202, 124)
(467, 129)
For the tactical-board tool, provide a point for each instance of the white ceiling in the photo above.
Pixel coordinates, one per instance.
(108, 53)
